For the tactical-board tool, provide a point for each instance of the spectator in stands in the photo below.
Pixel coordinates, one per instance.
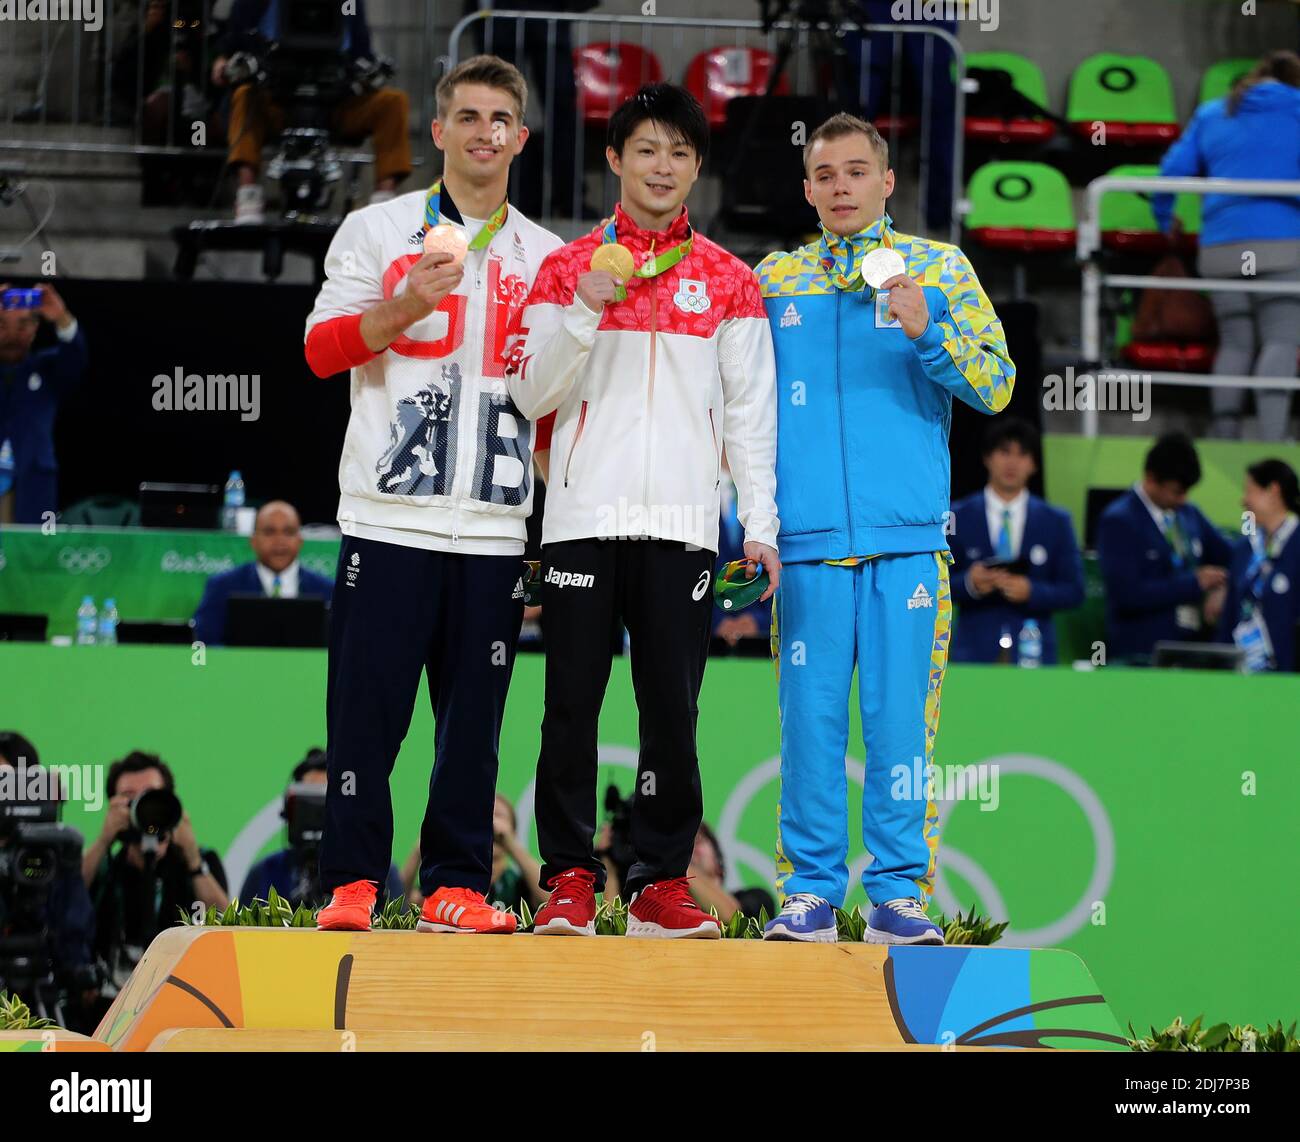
(1160, 557)
(1262, 607)
(292, 872)
(32, 383)
(275, 573)
(136, 898)
(516, 873)
(755, 621)
(380, 114)
(708, 877)
(154, 61)
(1015, 555)
(69, 916)
(1248, 237)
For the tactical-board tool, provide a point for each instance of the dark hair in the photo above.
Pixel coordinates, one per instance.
(136, 762)
(316, 759)
(14, 746)
(1012, 430)
(1282, 65)
(712, 838)
(1173, 457)
(487, 71)
(1277, 472)
(675, 108)
(841, 124)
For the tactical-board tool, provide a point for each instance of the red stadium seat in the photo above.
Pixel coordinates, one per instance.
(717, 76)
(608, 74)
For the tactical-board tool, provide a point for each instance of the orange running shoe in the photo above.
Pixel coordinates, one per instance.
(463, 910)
(350, 908)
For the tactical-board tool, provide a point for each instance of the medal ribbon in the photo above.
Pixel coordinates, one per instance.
(433, 203)
(654, 264)
(840, 255)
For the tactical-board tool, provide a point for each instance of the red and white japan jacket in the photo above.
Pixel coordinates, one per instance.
(646, 393)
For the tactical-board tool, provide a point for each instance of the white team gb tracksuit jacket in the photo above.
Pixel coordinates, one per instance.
(434, 445)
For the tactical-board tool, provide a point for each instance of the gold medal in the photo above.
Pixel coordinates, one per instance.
(613, 259)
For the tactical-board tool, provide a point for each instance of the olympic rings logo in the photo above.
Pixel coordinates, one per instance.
(989, 895)
(84, 560)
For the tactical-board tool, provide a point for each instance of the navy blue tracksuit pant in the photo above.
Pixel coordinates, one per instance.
(398, 611)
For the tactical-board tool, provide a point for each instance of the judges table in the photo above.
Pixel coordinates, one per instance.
(1124, 815)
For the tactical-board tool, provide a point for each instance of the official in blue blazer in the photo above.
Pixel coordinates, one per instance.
(276, 541)
(1262, 606)
(1159, 555)
(31, 387)
(1015, 557)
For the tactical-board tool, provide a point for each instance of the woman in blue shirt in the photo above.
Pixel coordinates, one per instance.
(1262, 608)
(1252, 133)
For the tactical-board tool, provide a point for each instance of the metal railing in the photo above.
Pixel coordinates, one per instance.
(671, 35)
(75, 86)
(1095, 280)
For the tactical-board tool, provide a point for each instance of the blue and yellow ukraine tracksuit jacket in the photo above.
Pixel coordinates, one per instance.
(863, 411)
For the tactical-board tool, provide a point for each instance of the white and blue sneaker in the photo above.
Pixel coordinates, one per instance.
(901, 921)
(803, 917)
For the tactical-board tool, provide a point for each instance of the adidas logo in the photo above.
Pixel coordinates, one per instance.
(920, 598)
(519, 590)
(791, 316)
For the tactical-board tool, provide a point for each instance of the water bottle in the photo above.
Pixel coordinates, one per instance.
(233, 502)
(1029, 651)
(108, 623)
(86, 622)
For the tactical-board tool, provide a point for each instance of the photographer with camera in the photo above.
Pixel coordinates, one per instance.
(46, 919)
(257, 27)
(294, 871)
(157, 870)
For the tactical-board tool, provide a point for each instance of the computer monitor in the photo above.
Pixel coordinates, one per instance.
(23, 628)
(191, 506)
(155, 632)
(1198, 656)
(258, 620)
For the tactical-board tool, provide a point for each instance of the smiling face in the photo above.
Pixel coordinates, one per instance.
(846, 181)
(656, 171)
(480, 134)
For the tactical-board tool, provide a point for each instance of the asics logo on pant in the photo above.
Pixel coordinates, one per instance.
(564, 579)
(703, 585)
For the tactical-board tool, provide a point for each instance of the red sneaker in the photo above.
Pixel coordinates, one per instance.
(665, 910)
(462, 910)
(571, 910)
(350, 908)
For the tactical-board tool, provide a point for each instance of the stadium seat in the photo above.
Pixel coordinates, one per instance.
(1131, 95)
(1219, 78)
(1020, 206)
(719, 75)
(1026, 80)
(1128, 224)
(608, 74)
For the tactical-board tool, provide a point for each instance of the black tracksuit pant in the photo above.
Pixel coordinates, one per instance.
(661, 591)
(398, 611)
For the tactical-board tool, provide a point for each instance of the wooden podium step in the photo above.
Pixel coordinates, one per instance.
(295, 989)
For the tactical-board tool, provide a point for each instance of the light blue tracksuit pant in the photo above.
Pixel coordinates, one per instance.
(891, 617)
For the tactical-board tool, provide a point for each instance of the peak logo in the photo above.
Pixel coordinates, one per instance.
(920, 598)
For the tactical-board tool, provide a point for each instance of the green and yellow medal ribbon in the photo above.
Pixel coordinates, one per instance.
(432, 214)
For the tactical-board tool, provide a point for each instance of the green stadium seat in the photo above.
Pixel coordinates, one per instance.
(1219, 78)
(1020, 206)
(1026, 79)
(1131, 95)
(1128, 224)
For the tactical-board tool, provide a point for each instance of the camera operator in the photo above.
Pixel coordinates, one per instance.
(157, 870)
(293, 871)
(381, 113)
(47, 923)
